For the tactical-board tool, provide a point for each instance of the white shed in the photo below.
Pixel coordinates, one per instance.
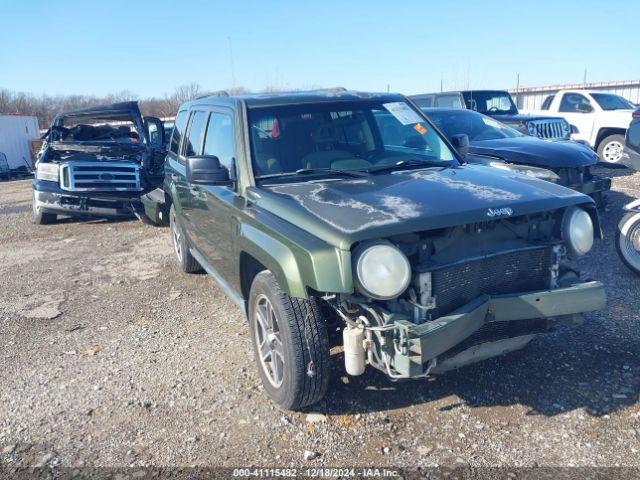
(16, 131)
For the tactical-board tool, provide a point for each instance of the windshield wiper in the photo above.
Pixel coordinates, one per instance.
(408, 163)
(307, 171)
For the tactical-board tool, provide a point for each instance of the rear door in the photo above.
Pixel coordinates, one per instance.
(175, 179)
(213, 209)
(190, 144)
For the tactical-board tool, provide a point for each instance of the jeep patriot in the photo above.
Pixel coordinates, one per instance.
(332, 210)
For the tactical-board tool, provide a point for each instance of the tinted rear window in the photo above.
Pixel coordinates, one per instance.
(196, 134)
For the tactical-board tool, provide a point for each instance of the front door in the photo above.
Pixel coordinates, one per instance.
(578, 111)
(213, 206)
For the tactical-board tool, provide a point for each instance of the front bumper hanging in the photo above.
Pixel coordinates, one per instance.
(408, 348)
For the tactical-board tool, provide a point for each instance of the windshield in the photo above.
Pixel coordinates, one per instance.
(608, 101)
(476, 126)
(495, 103)
(346, 136)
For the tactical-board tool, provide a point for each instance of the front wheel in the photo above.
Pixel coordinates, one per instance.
(611, 149)
(290, 344)
(40, 217)
(628, 241)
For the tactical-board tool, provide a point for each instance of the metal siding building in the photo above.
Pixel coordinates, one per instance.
(531, 98)
(16, 131)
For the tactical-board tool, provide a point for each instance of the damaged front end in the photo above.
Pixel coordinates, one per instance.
(473, 292)
(97, 162)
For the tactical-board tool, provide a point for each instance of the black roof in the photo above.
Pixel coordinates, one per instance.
(454, 92)
(292, 98)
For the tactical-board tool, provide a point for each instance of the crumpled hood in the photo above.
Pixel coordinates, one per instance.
(97, 151)
(533, 151)
(345, 211)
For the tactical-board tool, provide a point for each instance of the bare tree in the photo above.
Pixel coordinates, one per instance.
(46, 107)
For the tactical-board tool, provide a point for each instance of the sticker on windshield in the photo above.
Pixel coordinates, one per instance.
(491, 122)
(402, 111)
(418, 127)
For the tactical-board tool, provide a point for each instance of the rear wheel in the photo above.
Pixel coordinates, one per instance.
(181, 245)
(628, 241)
(611, 148)
(290, 344)
(40, 217)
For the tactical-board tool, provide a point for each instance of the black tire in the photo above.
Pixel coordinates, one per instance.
(40, 217)
(619, 139)
(303, 334)
(181, 245)
(630, 223)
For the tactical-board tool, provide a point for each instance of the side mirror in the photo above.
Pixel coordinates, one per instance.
(155, 130)
(584, 108)
(461, 143)
(206, 170)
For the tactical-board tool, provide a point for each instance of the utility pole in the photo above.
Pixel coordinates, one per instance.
(584, 79)
(233, 73)
(441, 86)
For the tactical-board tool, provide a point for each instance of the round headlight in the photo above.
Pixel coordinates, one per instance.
(382, 271)
(577, 231)
(531, 128)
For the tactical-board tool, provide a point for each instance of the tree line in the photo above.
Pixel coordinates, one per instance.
(46, 107)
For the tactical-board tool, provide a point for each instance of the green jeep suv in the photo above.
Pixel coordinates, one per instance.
(343, 210)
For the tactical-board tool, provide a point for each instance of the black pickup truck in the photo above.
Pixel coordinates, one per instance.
(98, 161)
(499, 105)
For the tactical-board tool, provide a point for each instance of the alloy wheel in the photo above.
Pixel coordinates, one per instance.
(269, 341)
(629, 243)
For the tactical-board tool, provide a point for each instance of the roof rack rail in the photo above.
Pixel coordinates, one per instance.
(330, 89)
(219, 93)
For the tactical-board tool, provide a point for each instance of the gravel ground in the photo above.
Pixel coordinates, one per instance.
(112, 357)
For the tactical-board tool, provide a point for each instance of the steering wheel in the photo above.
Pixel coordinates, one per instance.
(493, 109)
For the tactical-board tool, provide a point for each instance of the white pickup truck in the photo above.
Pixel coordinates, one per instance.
(599, 119)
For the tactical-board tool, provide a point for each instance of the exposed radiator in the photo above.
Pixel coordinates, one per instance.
(514, 271)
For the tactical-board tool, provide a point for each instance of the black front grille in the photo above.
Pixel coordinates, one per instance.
(494, 331)
(573, 176)
(510, 272)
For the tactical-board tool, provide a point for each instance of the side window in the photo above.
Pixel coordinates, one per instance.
(547, 102)
(424, 102)
(574, 102)
(178, 131)
(219, 140)
(196, 134)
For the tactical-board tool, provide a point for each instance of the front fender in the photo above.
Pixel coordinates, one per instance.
(298, 260)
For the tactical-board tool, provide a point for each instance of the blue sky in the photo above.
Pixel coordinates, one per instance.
(100, 47)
